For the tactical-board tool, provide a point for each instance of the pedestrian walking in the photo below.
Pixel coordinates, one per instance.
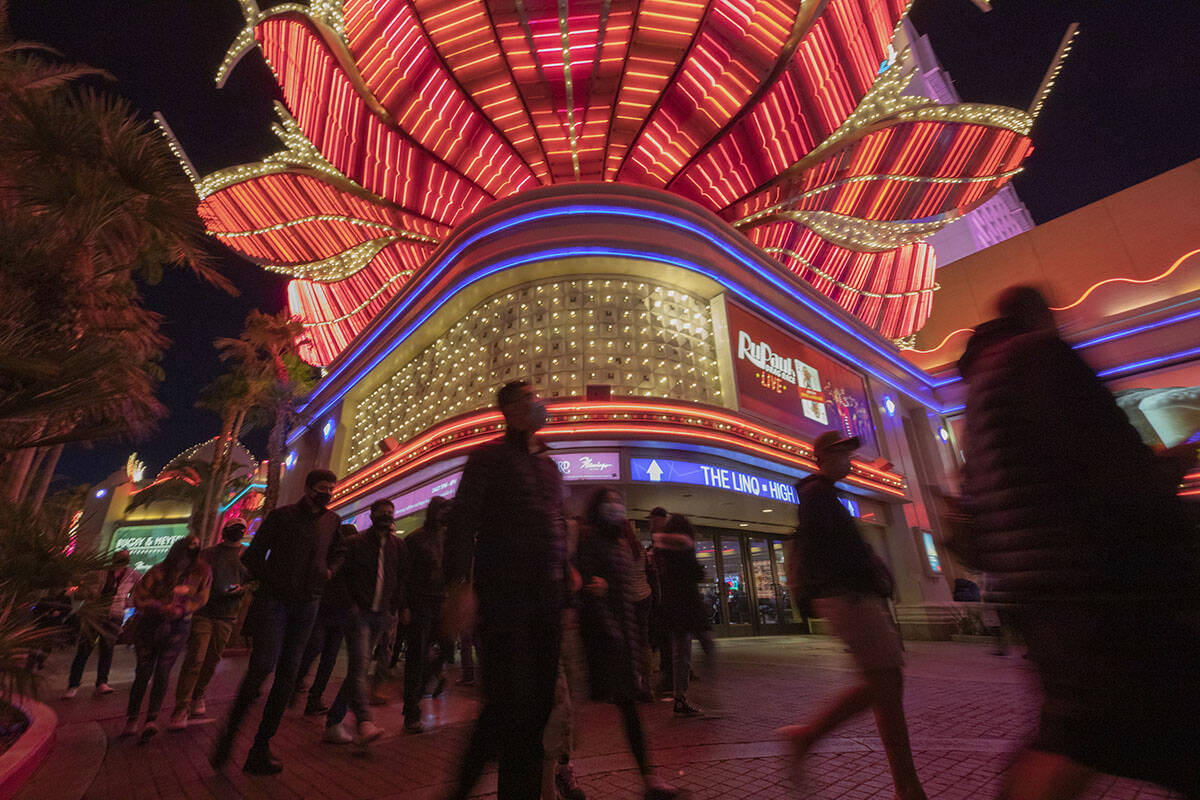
(426, 595)
(657, 633)
(165, 599)
(681, 609)
(373, 579)
(608, 624)
(642, 600)
(324, 643)
(833, 571)
(1090, 554)
(106, 595)
(508, 525)
(305, 551)
(213, 624)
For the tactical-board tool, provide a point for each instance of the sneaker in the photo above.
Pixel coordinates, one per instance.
(70, 692)
(198, 708)
(368, 732)
(179, 720)
(130, 729)
(567, 784)
(317, 709)
(104, 688)
(685, 709)
(262, 762)
(336, 734)
(414, 726)
(149, 731)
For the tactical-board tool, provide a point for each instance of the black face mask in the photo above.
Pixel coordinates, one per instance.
(193, 552)
(322, 499)
(381, 523)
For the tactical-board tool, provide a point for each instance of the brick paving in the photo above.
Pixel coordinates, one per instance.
(968, 711)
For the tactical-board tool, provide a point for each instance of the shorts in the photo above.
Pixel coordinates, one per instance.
(864, 624)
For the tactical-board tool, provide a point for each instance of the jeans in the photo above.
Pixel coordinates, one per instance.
(422, 627)
(681, 658)
(157, 646)
(205, 646)
(324, 641)
(281, 631)
(104, 636)
(363, 630)
(519, 651)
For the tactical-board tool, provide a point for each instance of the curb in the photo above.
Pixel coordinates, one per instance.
(28, 752)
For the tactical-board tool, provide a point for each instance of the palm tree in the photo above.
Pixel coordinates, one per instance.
(233, 396)
(268, 351)
(91, 202)
(190, 481)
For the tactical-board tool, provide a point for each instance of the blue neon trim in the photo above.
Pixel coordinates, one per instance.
(1149, 362)
(545, 255)
(1149, 326)
(432, 274)
(229, 505)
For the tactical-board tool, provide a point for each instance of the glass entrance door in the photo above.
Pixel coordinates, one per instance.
(765, 584)
(737, 593)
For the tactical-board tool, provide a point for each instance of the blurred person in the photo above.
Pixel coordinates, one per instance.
(325, 641)
(836, 574)
(682, 611)
(642, 600)
(165, 599)
(426, 594)
(212, 624)
(106, 595)
(466, 648)
(608, 623)
(373, 580)
(507, 531)
(657, 633)
(305, 549)
(1090, 554)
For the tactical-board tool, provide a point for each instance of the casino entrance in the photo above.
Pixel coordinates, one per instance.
(745, 587)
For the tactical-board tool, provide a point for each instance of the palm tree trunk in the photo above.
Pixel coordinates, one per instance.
(31, 475)
(202, 520)
(47, 474)
(221, 475)
(276, 443)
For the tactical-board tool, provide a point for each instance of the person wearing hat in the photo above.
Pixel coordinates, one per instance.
(835, 575)
(213, 624)
(106, 596)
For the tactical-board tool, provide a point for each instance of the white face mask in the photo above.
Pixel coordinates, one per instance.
(612, 513)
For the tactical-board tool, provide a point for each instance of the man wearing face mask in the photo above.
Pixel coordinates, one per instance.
(373, 581)
(212, 625)
(305, 550)
(507, 528)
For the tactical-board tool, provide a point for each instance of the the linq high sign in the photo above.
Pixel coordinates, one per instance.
(782, 379)
(664, 470)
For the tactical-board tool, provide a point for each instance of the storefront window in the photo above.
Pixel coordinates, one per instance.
(787, 611)
(764, 582)
(709, 587)
(737, 593)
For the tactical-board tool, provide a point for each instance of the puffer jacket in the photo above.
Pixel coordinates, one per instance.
(1066, 501)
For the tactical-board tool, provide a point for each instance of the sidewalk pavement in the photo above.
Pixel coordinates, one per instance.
(968, 711)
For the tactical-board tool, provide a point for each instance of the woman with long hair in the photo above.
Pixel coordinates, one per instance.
(165, 599)
(607, 622)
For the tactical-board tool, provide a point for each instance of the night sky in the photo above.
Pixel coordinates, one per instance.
(1123, 110)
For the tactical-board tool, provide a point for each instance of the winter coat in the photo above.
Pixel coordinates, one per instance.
(1066, 500)
(680, 606)
(305, 549)
(607, 624)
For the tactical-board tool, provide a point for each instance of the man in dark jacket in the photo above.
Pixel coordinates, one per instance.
(292, 557)
(832, 569)
(508, 515)
(212, 625)
(426, 594)
(1089, 550)
(372, 580)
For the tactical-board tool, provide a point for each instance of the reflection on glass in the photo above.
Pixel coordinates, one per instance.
(736, 591)
(709, 585)
(785, 596)
(764, 583)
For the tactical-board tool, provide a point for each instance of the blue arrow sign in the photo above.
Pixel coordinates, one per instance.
(661, 470)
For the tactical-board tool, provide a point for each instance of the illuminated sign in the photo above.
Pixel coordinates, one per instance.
(661, 470)
(931, 552)
(782, 379)
(588, 466)
(147, 544)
